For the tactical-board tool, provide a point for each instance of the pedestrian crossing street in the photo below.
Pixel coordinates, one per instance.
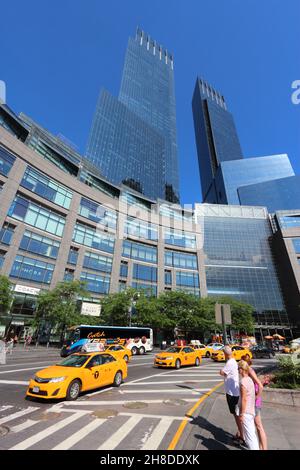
(141, 414)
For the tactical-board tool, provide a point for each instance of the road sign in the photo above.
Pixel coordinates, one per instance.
(226, 312)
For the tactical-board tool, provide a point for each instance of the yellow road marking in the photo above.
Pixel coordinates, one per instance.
(184, 422)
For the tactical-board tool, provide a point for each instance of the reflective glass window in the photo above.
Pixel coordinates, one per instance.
(6, 233)
(6, 161)
(32, 270)
(93, 238)
(145, 273)
(139, 251)
(178, 259)
(96, 282)
(73, 255)
(45, 187)
(140, 229)
(97, 262)
(179, 238)
(98, 213)
(37, 215)
(40, 245)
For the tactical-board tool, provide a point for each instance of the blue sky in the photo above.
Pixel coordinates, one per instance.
(56, 55)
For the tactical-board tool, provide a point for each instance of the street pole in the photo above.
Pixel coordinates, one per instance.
(130, 311)
(224, 325)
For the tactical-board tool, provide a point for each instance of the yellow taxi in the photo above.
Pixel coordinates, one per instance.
(77, 373)
(178, 356)
(212, 348)
(203, 350)
(237, 353)
(119, 351)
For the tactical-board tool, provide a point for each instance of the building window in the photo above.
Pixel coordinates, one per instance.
(6, 233)
(122, 285)
(168, 277)
(290, 221)
(96, 282)
(45, 187)
(178, 259)
(32, 270)
(37, 215)
(42, 246)
(69, 275)
(6, 161)
(73, 255)
(149, 289)
(91, 237)
(23, 304)
(187, 279)
(2, 258)
(296, 243)
(144, 273)
(96, 183)
(97, 262)
(98, 213)
(139, 251)
(178, 238)
(140, 229)
(124, 269)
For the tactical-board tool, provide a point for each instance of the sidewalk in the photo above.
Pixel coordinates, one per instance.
(213, 427)
(32, 352)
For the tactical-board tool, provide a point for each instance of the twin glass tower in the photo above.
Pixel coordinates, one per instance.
(133, 138)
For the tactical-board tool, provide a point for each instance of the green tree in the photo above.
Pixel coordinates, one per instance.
(59, 306)
(115, 308)
(6, 295)
(179, 309)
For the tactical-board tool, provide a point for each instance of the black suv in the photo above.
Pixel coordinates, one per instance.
(262, 351)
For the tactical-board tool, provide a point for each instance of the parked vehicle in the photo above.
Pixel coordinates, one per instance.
(261, 351)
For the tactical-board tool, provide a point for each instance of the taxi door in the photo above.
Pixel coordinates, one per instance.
(95, 373)
(118, 351)
(189, 356)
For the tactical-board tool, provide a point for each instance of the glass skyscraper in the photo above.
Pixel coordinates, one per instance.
(216, 136)
(133, 139)
(227, 177)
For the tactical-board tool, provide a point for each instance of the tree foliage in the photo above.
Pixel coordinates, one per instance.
(6, 295)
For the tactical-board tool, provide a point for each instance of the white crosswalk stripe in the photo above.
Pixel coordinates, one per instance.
(114, 440)
(157, 434)
(31, 441)
(18, 414)
(83, 432)
(20, 427)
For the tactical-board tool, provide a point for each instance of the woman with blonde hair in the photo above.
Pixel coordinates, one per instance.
(246, 406)
(258, 403)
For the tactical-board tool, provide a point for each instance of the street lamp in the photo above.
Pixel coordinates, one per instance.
(132, 303)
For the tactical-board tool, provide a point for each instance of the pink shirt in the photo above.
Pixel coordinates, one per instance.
(248, 384)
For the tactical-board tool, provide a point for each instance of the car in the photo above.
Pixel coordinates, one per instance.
(237, 353)
(203, 350)
(262, 351)
(212, 347)
(119, 351)
(77, 373)
(178, 356)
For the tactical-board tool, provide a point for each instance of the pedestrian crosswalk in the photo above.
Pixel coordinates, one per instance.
(80, 429)
(135, 421)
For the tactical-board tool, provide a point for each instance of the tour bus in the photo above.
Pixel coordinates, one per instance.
(138, 340)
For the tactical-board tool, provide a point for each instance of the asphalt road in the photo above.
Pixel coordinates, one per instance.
(144, 413)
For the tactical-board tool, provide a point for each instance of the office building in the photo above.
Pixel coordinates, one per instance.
(133, 139)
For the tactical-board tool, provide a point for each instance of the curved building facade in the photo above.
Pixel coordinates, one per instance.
(59, 220)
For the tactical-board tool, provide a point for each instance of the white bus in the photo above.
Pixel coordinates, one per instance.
(138, 339)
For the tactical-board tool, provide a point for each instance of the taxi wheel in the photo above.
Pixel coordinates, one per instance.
(207, 354)
(197, 362)
(73, 390)
(134, 351)
(126, 358)
(118, 379)
(142, 350)
(177, 364)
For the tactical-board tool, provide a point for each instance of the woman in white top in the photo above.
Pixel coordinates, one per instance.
(246, 406)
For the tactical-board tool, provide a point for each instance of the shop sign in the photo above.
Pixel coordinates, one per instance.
(89, 308)
(27, 289)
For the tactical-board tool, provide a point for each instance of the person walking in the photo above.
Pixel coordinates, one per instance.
(10, 345)
(2, 351)
(262, 437)
(246, 406)
(232, 390)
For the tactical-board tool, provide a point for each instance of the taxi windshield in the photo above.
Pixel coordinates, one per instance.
(174, 350)
(74, 360)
